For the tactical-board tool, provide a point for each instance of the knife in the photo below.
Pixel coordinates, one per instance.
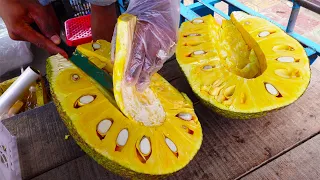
(100, 76)
(103, 79)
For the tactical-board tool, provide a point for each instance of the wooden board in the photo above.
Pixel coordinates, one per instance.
(230, 147)
(302, 162)
(82, 168)
(40, 136)
(171, 70)
(222, 155)
(173, 74)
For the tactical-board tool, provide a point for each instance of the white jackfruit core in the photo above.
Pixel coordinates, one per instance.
(143, 107)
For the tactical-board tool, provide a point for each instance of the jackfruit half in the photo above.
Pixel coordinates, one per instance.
(244, 67)
(156, 132)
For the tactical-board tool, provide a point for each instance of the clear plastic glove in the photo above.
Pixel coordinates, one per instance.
(154, 40)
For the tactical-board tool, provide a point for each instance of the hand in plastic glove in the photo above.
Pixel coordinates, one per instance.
(19, 14)
(154, 39)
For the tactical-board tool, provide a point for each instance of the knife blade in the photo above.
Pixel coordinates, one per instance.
(101, 77)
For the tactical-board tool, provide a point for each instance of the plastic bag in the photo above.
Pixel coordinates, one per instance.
(154, 40)
(13, 54)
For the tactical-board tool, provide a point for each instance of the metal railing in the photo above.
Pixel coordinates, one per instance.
(204, 7)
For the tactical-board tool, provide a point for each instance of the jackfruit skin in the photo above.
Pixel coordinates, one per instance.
(232, 114)
(6, 84)
(41, 93)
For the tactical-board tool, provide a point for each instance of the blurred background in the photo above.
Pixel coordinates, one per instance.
(308, 24)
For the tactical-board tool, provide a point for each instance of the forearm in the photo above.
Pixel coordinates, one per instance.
(103, 20)
(103, 17)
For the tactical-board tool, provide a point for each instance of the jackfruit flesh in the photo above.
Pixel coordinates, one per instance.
(137, 143)
(98, 53)
(243, 68)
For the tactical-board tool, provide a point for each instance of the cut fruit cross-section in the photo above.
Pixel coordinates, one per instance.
(156, 132)
(244, 67)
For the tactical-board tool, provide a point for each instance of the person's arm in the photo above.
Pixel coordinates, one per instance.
(103, 19)
(19, 14)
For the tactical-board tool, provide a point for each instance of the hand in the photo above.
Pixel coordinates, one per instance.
(19, 14)
(154, 39)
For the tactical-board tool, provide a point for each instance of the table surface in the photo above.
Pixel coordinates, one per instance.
(282, 145)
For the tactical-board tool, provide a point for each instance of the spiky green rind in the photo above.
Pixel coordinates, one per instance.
(231, 114)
